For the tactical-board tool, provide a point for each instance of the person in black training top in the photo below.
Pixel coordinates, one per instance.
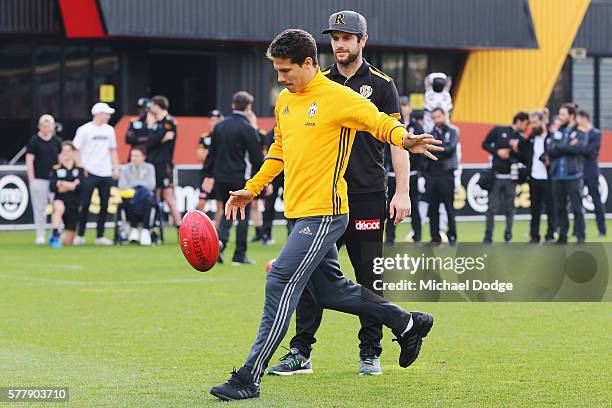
(234, 155)
(440, 177)
(591, 167)
(41, 156)
(270, 211)
(415, 165)
(367, 199)
(137, 133)
(65, 182)
(540, 185)
(505, 144)
(214, 117)
(160, 151)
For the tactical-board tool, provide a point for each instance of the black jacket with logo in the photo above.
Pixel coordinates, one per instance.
(159, 152)
(499, 138)
(365, 172)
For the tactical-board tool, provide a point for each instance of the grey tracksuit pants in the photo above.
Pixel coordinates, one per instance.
(309, 259)
(41, 196)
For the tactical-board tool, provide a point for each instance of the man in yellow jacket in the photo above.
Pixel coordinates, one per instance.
(316, 124)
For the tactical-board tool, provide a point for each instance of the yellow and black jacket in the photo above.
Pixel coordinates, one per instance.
(314, 134)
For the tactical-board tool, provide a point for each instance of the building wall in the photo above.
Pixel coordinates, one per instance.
(496, 84)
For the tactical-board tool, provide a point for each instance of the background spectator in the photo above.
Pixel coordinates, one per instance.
(41, 156)
(97, 154)
(138, 176)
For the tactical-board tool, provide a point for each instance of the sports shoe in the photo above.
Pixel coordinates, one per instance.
(242, 261)
(145, 237)
(103, 241)
(239, 386)
(411, 341)
(134, 235)
(221, 249)
(370, 365)
(55, 242)
(40, 240)
(292, 363)
(79, 240)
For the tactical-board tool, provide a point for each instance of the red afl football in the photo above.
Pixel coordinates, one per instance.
(199, 240)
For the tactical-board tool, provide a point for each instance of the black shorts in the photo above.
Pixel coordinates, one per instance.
(71, 215)
(222, 190)
(164, 177)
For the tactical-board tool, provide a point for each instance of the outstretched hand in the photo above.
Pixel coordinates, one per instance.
(238, 200)
(422, 144)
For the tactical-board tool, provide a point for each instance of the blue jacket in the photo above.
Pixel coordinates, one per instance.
(566, 156)
(591, 154)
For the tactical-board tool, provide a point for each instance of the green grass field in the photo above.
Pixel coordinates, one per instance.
(137, 327)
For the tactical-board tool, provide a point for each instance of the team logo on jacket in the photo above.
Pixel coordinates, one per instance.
(366, 91)
(367, 225)
(285, 111)
(313, 109)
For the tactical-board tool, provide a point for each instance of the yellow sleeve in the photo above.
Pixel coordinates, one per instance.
(273, 163)
(360, 114)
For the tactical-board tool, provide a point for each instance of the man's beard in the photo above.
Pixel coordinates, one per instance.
(538, 130)
(349, 59)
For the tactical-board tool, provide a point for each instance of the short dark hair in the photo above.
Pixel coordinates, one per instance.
(520, 116)
(584, 114)
(241, 100)
(138, 149)
(570, 107)
(438, 109)
(69, 144)
(160, 101)
(294, 44)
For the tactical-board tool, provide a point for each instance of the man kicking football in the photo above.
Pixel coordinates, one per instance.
(316, 124)
(367, 198)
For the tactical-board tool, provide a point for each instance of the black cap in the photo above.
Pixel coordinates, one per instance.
(144, 103)
(216, 112)
(347, 21)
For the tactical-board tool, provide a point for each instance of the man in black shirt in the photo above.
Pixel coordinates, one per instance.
(160, 151)
(506, 146)
(66, 184)
(214, 117)
(365, 176)
(234, 155)
(415, 165)
(138, 133)
(440, 178)
(41, 156)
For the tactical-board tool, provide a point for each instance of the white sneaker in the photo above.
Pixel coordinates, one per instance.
(78, 240)
(145, 237)
(103, 241)
(134, 235)
(40, 240)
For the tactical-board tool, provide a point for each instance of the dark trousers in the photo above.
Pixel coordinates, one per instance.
(592, 184)
(222, 190)
(134, 218)
(501, 198)
(540, 192)
(415, 217)
(362, 245)
(103, 184)
(309, 259)
(441, 190)
(572, 189)
(269, 212)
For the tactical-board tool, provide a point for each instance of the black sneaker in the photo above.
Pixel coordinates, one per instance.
(239, 386)
(411, 341)
(487, 240)
(507, 237)
(221, 249)
(242, 261)
(292, 363)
